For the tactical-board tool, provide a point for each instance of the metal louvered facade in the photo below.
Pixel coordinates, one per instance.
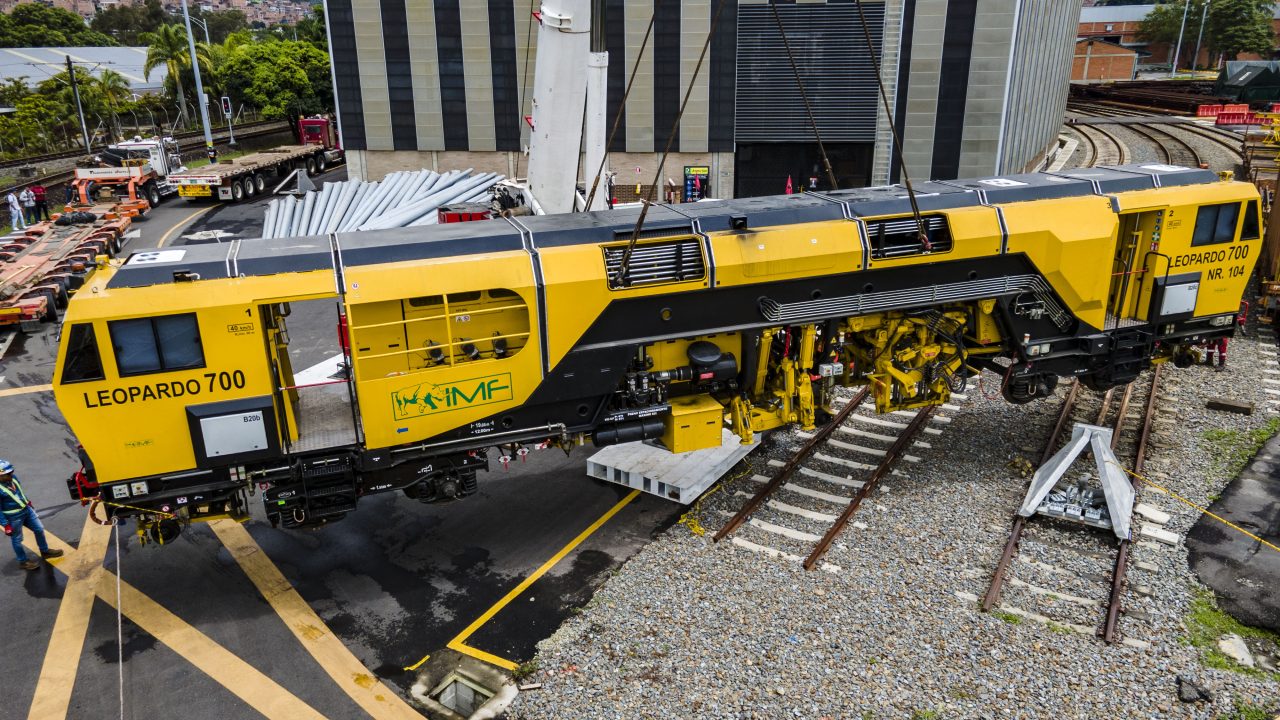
(830, 52)
(976, 87)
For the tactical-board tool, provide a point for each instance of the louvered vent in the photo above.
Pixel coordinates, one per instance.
(655, 263)
(900, 237)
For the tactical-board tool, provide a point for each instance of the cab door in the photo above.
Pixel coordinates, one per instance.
(1131, 267)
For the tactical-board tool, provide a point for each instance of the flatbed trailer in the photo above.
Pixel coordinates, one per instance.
(247, 176)
(42, 266)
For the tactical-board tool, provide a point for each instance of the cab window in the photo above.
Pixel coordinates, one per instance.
(83, 362)
(1215, 224)
(157, 344)
(1249, 229)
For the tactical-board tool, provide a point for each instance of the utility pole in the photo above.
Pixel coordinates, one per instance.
(195, 67)
(1173, 69)
(75, 90)
(1203, 15)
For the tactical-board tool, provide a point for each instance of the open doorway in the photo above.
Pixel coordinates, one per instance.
(314, 394)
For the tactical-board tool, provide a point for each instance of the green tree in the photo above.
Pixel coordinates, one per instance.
(168, 46)
(312, 29)
(1240, 26)
(36, 25)
(223, 23)
(126, 22)
(282, 78)
(13, 90)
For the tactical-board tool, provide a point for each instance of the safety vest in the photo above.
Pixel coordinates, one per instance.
(20, 497)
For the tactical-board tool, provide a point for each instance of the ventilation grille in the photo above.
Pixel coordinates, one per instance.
(656, 263)
(901, 237)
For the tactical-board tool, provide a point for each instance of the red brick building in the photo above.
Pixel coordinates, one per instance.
(1122, 25)
(1101, 61)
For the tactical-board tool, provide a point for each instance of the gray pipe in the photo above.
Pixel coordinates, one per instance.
(357, 202)
(302, 215)
(340, 209)
(268, 219)
(284, 216)
(410, 214)
(431, 218)
(320, 215)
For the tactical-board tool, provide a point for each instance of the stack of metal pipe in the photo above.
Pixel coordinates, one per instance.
(401, 199)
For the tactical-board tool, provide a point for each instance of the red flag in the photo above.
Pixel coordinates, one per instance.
(788, 184)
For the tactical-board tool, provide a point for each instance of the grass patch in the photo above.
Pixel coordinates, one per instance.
(1206, 623)
(1006, 616)
(1233, 449)
(926, 715)
(1060, 629)
(1245, 711)
(524, 670)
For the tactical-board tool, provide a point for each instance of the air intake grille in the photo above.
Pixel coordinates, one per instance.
(656, 263)
(900, 237)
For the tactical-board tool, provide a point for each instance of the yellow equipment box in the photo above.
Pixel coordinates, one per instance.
(194, 191)
(694, 424)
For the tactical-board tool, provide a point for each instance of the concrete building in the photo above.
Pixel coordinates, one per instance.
(976, 87)
(1102, 61)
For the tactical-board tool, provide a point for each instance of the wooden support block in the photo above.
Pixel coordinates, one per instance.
(1227, 405)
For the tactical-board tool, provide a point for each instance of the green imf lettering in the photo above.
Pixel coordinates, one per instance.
(429, 398)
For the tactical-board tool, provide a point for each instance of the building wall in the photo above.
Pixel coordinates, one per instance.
(416, 79)
(1102, 62)
(1123, 25)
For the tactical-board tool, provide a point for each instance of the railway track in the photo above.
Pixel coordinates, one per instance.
(799, 512)
(180, 137)
(55, 179)
(1225, 139)
(1103, 147)
(1062, 581)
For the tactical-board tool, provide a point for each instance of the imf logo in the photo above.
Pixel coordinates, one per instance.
(428, 398)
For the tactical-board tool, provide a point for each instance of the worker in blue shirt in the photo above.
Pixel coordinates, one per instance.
(15, 511)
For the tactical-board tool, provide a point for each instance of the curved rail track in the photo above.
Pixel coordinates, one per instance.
(1130, 444)
(1175, 148)
(1103, 147)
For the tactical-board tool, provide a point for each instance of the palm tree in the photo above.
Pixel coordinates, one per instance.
(168, 47)
(115, 90)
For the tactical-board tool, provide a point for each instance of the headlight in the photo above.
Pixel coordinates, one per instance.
(1222, 320)
(1041, 349)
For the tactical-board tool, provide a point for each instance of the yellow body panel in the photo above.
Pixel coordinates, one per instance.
(1071, 241)
(785, 252)
(403, 395)
(975, 232)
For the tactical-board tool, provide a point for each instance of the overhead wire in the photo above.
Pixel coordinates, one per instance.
(813, 122)
(624, 265)
(893, 130)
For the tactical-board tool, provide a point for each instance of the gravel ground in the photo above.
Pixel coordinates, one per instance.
(689, 628)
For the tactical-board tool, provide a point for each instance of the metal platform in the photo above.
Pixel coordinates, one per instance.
(325, 419)
(681, 477)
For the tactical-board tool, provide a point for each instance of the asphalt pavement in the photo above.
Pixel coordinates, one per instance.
(208, 633)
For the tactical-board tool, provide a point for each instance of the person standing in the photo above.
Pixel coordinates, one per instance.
(15, 212)
(42, 201)
(28, 200)
(16, 511)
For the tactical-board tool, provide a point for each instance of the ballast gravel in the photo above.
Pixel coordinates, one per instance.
(692, 628)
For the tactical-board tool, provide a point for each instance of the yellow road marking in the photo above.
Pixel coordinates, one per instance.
(418, 664)
(25, 390)
(225, 667)
(459, 642)
(345, 668)
(165, 238)
(66, 642)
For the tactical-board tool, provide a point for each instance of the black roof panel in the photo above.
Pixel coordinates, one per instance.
(1024, 187)
(1110, 180)
(1172, 175)
(372, 247)
(157, 266)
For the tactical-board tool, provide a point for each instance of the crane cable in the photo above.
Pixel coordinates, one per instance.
(893, 130)
(795, 70)
(622, 106)
(624, 265)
